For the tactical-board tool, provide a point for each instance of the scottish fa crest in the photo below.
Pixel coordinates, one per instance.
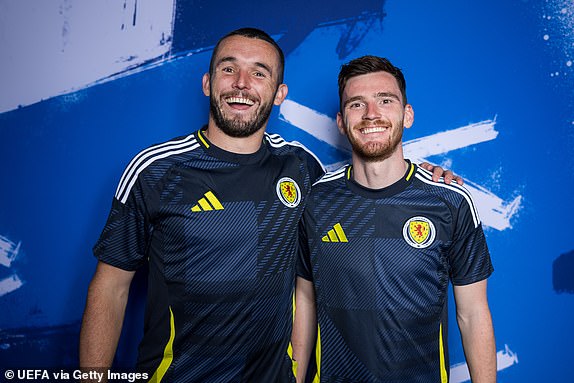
(419, 232)
(288, 192)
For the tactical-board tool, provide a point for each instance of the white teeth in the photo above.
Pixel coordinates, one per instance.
(375, 129)
(239, 100)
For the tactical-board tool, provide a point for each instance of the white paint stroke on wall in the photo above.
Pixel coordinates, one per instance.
(7, 285)
(9, 252)
(443, 142)
(53, 47)
(317, 124)
(504, 358)
(494, 211)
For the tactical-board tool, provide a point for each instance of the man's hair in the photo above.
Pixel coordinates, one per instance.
(366, 65)
(252, 33)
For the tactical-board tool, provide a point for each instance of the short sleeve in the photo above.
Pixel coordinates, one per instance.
(304, 268)
(469, 256)
(124, 240)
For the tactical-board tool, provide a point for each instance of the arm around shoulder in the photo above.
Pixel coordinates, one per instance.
(438, 172)
(475, 323)
(104, 315)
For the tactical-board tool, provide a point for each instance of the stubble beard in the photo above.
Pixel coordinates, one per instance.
(236, 127)
(376, 151)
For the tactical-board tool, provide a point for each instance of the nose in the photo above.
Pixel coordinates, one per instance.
(241, 80)
(371, 112)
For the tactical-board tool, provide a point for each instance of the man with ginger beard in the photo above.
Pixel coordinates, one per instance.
(379, 243)
(215, 215)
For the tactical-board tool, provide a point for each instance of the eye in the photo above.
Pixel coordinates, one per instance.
(355, 105)
(259, 74)
(227, 69)
(387, 101)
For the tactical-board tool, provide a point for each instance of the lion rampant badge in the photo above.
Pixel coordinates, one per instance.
(419, 232)
(288, 192)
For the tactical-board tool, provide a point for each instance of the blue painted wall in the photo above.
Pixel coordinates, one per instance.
(465, 62)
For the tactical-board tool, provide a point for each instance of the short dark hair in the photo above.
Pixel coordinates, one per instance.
(366, 65)
(252, 33)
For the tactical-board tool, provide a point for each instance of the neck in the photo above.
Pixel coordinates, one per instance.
(239, 145)
(379, 174)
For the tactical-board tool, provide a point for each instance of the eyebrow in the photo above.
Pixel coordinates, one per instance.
(257, 63)
(352, 99)
(376, 95)
(387, 94)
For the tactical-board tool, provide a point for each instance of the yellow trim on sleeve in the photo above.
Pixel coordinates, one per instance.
(317, 378)
(167, 353)
(290, 348)
(443, 372)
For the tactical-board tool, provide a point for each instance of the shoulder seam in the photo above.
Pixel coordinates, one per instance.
(332, 176)
(146, 157)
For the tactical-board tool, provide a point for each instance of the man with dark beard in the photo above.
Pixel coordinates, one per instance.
(215, 215)
(380, 241)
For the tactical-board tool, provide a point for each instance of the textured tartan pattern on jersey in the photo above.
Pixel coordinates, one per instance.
(273, 234)
(380, 299)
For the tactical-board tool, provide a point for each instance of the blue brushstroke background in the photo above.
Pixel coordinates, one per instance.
(464, 62)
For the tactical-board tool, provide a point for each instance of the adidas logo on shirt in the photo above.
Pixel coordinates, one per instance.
(336, 234)
(209, 202)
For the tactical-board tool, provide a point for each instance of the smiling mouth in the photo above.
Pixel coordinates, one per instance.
(374, 129)
(239, 101)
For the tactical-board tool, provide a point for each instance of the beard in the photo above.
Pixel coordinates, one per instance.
(236, 127)
(376, 151)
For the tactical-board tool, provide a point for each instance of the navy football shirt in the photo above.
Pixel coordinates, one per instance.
(219, 231)
(381, 261)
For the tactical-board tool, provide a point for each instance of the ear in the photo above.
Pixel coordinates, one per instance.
(205, 84)
(280, 95)
(341, 124)
(409, 116)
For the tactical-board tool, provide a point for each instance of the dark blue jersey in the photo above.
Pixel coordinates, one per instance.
(381, 261)
(219, 232)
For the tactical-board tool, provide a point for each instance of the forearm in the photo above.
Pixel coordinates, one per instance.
(475, 323)
(102, 321)
(479, 346)
(302, 341)
(101, 328)
(304, 327)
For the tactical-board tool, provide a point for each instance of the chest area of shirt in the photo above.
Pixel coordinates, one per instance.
(344, 226)
(366, 254)
(233, 199)
(244, 220)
